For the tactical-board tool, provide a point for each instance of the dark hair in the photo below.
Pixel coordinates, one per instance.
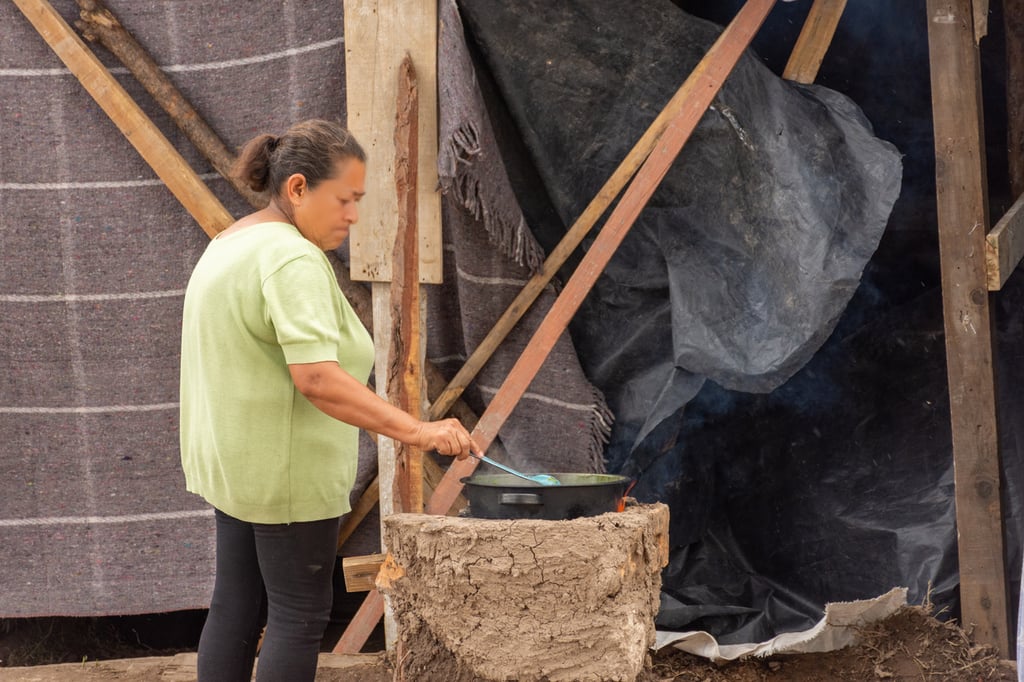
(311, 148)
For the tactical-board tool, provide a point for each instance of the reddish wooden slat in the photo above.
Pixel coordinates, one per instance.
(405, 374)
(702, 86)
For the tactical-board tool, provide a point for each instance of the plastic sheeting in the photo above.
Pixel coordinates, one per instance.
(838, 628)
(816, 464)
(755, 240)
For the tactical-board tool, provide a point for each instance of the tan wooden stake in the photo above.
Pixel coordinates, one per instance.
(814, 39)
(700, 89)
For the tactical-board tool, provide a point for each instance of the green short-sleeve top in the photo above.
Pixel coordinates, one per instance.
(251, 444)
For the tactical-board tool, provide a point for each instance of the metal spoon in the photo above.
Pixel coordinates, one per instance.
(543, 479)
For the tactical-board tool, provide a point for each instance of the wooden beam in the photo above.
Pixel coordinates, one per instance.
(361, 571)
(162, 157)
(700, 89)
(378, 34)
(962, 202)
(405, 373)
(386, 453)
(367, 501)
(362, 624)
(100, 24)
(1013, 19)
(1004, 246)
(815, 37)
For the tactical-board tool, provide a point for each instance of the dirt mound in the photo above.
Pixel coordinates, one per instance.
(909, 645)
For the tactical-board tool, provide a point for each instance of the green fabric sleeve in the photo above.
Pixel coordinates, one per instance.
(301, 311)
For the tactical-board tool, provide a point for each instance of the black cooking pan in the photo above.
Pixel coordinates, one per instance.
(504, 496)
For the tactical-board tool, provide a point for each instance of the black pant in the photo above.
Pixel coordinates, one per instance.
(292, 564)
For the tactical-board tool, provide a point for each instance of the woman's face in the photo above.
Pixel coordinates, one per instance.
(325, 213)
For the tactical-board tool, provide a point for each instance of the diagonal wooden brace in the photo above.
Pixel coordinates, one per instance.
(814, 40)
(700, 88)
(162, 157)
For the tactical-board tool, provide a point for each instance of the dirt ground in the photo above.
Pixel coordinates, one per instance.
(910, 645)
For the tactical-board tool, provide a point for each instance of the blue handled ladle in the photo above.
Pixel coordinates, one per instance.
(543, 479)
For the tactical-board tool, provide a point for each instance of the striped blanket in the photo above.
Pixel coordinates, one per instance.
(94, 517)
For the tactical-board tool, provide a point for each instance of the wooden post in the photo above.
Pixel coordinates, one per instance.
(405, 374)
(700, 88)
(1013, 18)
(814, 39)
(962, 200)
(378, 35)
(162, 157)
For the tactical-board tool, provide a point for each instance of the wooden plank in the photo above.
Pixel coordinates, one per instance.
(367, 501)
(165, 160)
(386, 455)
(378, 35)
(815, 37)
(1004, 246)
(963, 218)
(361, 571)
(405, 373)
(1013, 19)
(701, 88)
(362, 624)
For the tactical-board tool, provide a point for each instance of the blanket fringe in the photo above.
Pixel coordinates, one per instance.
(505, 225)
(600, 423)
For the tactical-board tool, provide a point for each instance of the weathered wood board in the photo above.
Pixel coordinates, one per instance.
(371, 83)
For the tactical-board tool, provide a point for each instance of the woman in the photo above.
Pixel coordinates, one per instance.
(274, 364)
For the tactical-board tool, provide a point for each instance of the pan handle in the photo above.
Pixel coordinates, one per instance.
(521, 498)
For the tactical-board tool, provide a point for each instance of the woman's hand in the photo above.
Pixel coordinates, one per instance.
(336, 393)
(447, 436)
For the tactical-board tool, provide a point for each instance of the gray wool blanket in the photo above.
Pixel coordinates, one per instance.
(562, 422)
(96, 253)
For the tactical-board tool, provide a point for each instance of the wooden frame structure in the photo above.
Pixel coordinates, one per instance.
(974, 259)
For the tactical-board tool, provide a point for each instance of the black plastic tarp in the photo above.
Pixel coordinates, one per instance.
(791, 409)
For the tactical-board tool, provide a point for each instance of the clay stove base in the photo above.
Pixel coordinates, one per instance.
(525, 600)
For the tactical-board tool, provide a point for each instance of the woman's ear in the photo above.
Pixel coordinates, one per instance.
(295, 186)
